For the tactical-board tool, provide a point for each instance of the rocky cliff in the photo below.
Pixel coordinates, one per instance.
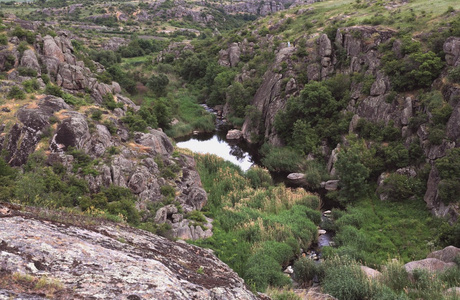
(353, 50)
(126, 159)
(105, 261)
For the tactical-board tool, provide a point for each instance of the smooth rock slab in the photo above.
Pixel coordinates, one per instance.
(113, 262)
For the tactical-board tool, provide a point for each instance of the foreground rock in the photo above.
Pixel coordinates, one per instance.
(112, 262)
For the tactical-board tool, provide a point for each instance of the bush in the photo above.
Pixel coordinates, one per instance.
(168, 191)
(306, 269)
(16, 93)
(400, 187)
(3, 39)
(344, 279)
(23, 71)
(259, 177)
(54, 90)
(31, 85)
(263, 271)
(96, 114)
(395, 276)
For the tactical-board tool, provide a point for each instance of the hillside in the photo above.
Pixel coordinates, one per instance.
(357, 100)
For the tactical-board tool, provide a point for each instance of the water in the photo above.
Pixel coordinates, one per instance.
(238, 153)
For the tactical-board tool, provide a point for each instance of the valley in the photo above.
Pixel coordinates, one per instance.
(358, 100)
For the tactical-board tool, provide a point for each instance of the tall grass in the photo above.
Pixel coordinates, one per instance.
(254, 219)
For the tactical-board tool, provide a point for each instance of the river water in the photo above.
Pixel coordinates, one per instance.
(237, 152)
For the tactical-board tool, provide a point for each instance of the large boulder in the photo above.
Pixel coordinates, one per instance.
(157, 142)
(112, 262)
(234, 134)
(370, 273)
(428, 264)
(72, 132)
(448, 254)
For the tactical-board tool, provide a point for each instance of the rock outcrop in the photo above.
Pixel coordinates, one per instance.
(110, 261)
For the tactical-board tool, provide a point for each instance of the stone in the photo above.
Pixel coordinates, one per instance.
(379, 86)
(29, 60)
(321, 231)
(406, 114)
(113, 261)
(157, 142)
(289, 270)
(452, 49)
(51, 49)
(447, 254)
(234, 134)
(428, 264)
(72, 132)
(330, 185)
(453, 292)
(370, 273)
(407, 171)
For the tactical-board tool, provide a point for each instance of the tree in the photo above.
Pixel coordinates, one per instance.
(352, 172)
(158, 84)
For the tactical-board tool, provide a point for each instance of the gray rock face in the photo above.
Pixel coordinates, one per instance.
(72, 132)
(157, 141)
(25, 135)
(115, 262)
(29, 60)
(452, 49)
(453, 125)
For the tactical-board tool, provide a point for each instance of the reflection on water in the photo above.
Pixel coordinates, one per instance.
(213, 143)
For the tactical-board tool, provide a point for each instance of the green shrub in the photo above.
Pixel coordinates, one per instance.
(454, 75)
(23, 71)
(126, 208)
(395, 276)
(96, 114)
(400, 187)
(259, 177)
(436, 134)
(16, 93)
(305, 270)
(168, 191)
(352, 172)
(344, 279)
(263, 271)
(3, 39)
(31, 85)
(54, 90)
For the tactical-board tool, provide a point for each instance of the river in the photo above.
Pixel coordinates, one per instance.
(237, 152)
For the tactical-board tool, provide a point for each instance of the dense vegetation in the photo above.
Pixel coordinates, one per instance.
(259, 228)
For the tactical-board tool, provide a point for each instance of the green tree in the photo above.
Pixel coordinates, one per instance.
(158, 84)
(352, 172)
(238, 98)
